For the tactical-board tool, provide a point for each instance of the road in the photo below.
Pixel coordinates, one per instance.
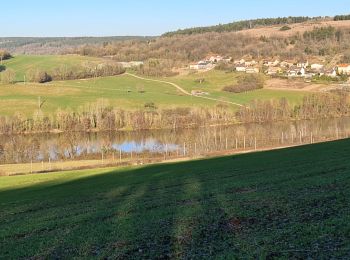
(184, 91)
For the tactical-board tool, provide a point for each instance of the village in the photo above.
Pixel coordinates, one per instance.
(274, 67)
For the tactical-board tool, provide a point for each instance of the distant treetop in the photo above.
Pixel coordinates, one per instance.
(243, 25)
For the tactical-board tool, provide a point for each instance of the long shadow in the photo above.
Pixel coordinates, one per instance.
(197, 209)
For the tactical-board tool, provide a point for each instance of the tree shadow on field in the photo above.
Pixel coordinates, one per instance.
(228, 207)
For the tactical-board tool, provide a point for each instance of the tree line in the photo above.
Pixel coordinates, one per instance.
(315, 106)
(75, 72)
(64, 73)
(240, 25)
(100, 116)
(341, 17)
(180, 50)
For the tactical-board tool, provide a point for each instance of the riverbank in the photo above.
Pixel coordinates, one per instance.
(115, 161)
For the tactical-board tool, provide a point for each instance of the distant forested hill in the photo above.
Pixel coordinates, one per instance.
(243, 25)
(55, 45)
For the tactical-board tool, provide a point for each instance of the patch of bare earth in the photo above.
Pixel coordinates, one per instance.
(294, 85)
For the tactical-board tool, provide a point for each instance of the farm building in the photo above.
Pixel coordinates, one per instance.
(271, 63)
(202, 65)
(252, 70)
(296, 72)
(317, 67)
(302, 64)
(273, 70)
(344, 69)
(241, 69)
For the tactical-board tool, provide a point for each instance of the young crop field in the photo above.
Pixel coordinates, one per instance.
(246, 206)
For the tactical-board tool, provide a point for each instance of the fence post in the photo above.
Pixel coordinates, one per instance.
(300, 137)
(236, 143)
(226, 144)
(195, 149)
(244, 142)
(184, 149)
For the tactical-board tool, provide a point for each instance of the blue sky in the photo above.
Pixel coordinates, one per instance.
(145, 17)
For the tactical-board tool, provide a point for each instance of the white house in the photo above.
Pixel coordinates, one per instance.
(252, 70)
(331, 73)
(239, 62)
(250, 63)
(302, 64)
(344, 69)
(286, 64)
(296, 72)
(317, 67)
(202, 65)
(273, 70)
(241, 69)
(214, 58)
(271, 63)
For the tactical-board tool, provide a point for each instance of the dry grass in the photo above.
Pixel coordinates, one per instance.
(295, 28)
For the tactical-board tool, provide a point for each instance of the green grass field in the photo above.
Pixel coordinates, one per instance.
(121, 91)
(23, 63)
(216, 80)
(248, 207)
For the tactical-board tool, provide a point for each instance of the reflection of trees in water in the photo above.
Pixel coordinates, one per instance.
(77, 145)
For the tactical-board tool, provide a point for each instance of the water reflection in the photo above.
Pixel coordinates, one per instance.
(69, 146)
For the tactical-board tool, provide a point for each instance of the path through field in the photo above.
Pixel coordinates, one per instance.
(184, 91)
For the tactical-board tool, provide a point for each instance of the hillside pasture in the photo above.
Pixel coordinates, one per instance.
(23, 63)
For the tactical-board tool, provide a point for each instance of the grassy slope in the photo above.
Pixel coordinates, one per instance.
(74, 94)
(283, 204)
(216, 80)
(23, 63)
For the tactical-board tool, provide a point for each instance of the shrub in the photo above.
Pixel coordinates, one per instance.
(285, 28)
(246, 83)
(5, 55)
(8, 76)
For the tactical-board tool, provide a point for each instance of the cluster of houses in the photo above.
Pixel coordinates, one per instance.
(289, 68)
(301, 68)
(210, 62)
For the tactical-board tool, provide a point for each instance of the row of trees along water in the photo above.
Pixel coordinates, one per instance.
(52, 151)
(100, 116)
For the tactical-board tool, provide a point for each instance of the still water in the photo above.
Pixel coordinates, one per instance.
(69, 146)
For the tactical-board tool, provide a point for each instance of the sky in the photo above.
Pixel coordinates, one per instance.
(145, 17)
